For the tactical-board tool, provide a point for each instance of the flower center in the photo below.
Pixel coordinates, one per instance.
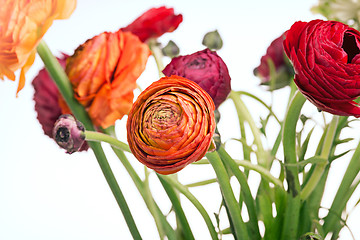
(62, 135)
(350, 46)
(196, 64)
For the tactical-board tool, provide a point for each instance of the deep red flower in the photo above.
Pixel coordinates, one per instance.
(171, 124)
(46, 97)
(326, 59)
(283, 71)
(154, 23)
(207, 69)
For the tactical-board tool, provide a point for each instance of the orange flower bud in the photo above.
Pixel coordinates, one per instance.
(22, 25)
(103, 72)
(171, 124)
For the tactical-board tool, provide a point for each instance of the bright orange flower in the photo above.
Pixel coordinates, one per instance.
(171, 124)
(103, 72)
(22, 25)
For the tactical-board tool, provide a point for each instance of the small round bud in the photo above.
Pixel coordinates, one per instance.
(212, 40)
(69, 133)
(171, 49)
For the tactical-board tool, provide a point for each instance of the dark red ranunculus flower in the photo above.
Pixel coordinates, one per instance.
(326, 59)
(207, 69)
(283, 71)
(46, 97)
(154, 23)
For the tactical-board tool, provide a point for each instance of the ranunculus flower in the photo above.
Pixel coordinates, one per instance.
(326, 59)
(171, 124)
(154, 23)
(22, 25)
(283, 71)
(103, 72)
(46, 98)
(207, 69)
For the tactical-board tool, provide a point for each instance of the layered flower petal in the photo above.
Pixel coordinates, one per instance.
(171, 124)
(207, 69)
(22, 25)
(103, 72)
(326, 59)
(154, 23)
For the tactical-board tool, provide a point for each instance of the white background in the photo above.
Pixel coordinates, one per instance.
(46, 194)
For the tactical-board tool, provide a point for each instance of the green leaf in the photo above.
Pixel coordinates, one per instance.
(312, 160)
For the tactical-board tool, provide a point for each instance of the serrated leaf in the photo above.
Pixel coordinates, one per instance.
(338, 141)
(332, 158)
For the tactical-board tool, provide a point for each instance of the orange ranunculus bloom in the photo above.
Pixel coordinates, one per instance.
(171, 124)
(22, 25)
(103, 72)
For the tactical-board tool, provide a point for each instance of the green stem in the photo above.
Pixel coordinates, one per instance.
(340, 200)
(194, 201)
(263, 172)
(60, 78)
(154, 209)
(101, 137)
(202, 183)
(243, 113)
(292, 212)
(186, 230)
(319, 169)
(245, 189)
(228, 194)
(157, 53)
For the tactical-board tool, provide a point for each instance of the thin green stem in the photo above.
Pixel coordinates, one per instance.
(184, 224)
(319, 169)
(261, 170)
(202, 183)
(159, 218)
(228, 194)
(157, 54)
(243, 113)
(245, 189)
(182, 189)
(60, 78)
(101, 137)
(341, 196)
(292, 212)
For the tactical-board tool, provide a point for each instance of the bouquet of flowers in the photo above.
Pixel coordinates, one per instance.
(271, 178)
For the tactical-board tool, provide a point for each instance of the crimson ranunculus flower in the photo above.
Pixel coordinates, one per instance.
(207, 69)
(103, 72)
(171, 124)
(154, 23)
(46, 98)
(326, 59)
(275, 58)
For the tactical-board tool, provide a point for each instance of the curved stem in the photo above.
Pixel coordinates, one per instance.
(249, 201)
(157, 53)
(60, 78)
(228, 194)
(261, 170)
(186, 230)
(320, 167)
(101, 137)
(194, 201)
(340, 200)
(244, 113)
(292, 212)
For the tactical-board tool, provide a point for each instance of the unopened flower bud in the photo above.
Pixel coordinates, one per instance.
(69, 133)
(171, 49)
(213, 40)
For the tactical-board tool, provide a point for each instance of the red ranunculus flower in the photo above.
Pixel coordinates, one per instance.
(326, 59)
(46, 97)
(154, 23)
(205, 68)
(171, 124)
(283, 72)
